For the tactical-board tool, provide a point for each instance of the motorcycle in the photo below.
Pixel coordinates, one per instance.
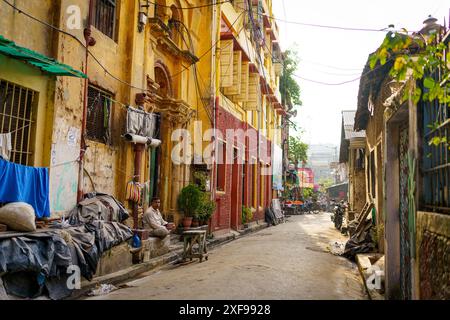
(339, 211)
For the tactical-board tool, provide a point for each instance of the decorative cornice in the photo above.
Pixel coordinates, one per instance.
(176, 111)
(161, 32)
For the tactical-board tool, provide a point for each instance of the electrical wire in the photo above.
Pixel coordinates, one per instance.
(327, 83)
(190, 8)
(316, 25)
(331, 67)
(210, 48)
(96, 59)
(79, 41)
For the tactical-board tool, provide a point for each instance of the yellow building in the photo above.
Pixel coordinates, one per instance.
(248, 63)
(139, 56)
(179, 61)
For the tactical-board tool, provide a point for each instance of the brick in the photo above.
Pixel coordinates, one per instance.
(222, 219)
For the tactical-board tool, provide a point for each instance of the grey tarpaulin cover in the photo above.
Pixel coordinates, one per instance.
(361, 241)
(98, 206)
(37, 261)
(140, 122)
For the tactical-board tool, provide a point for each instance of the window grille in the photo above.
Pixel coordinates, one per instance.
(105, 17)
(98, 115)
(16, 116)
(436, 159)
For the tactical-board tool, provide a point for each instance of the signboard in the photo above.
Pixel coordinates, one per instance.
(306, 177)
(277, 167)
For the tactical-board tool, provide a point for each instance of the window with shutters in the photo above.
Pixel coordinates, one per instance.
(17, 110)
(104, 17)
(98, 114)
(243, 96)
(235, 88)
(239, 5)
(253, 100)
(226, 63)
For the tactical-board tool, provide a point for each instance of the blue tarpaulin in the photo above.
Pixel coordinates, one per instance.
(19, 183)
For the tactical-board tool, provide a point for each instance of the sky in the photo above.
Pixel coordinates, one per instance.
(334, 56)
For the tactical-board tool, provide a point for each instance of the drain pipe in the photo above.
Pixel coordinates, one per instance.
(89, 42)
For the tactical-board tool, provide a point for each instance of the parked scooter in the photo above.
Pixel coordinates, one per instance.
(339, 211)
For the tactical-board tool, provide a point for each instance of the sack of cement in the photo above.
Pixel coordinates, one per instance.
(18, 216)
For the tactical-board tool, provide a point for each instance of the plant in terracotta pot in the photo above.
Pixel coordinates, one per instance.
(206, 209)
(195, 221)
(188, 202)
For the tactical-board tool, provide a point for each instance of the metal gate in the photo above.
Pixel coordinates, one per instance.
(405, 257)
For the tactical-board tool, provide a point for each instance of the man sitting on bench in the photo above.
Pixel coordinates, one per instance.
(154, 221)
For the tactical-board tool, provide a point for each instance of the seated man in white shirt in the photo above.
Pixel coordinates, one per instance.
(154, 221)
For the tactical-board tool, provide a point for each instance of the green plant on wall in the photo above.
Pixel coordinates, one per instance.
(189, 200)
(247, 214)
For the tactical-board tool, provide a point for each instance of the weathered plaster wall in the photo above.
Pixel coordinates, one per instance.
(25, 32)
(359, 189)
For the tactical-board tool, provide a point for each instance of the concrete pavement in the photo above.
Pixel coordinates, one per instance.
(288, 261)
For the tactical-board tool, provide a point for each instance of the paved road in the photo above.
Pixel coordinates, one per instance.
(288, 261)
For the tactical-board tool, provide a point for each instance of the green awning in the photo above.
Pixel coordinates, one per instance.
(46, 64)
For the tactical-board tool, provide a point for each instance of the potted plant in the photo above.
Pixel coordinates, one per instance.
(195, 220)
(206, 209)
(247, 215)
(188, 202)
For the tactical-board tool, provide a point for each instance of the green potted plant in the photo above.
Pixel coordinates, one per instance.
(247, 215)
(188, 202)
(206, 209)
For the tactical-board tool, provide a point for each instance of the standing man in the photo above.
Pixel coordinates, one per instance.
(154, 221)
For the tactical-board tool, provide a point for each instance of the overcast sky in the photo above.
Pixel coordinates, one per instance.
(334, 56)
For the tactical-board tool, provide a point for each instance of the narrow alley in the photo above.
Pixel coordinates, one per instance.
(287, 261)
(224, 150)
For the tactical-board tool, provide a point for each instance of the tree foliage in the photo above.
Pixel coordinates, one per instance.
(324, 183)
(297, 150)
(420, 57)
(289, 88)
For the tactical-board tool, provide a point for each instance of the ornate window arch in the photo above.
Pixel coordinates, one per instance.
(175, 24)
(163, 79)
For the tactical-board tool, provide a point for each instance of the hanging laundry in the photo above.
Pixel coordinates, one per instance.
(134, 191)
(21, 183)
(5, 145)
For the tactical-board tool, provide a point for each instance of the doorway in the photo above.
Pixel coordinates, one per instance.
(235, 191)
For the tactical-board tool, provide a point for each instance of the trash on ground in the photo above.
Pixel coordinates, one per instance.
(104, 288)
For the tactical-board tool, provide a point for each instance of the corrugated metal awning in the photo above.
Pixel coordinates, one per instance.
(46, 64)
